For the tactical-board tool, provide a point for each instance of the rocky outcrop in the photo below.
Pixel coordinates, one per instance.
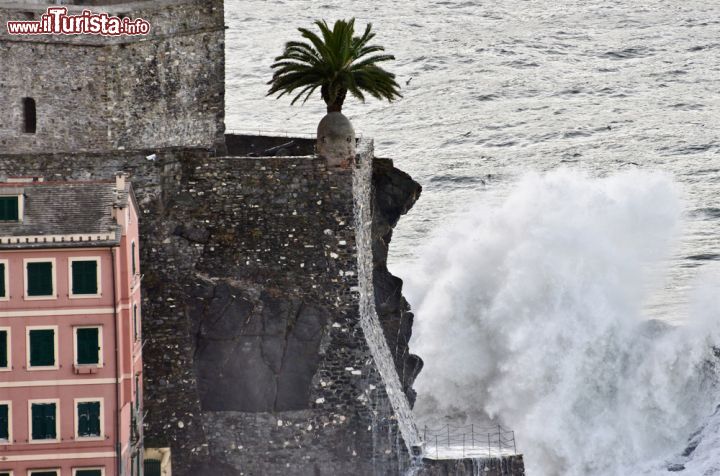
(256, 350)
(395, 193)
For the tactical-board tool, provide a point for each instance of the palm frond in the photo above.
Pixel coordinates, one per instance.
(336, 61)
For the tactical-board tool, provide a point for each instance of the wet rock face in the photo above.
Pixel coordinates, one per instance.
(255, 355)
(395, 193)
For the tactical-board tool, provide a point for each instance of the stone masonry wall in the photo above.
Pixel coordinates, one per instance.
(102, 93)
(260, 358)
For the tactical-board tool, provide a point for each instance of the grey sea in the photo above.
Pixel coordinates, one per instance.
(495, 89)
(492, 92)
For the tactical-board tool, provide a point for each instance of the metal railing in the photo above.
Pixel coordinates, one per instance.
(271, 133)
(265, 132)
(469, 441)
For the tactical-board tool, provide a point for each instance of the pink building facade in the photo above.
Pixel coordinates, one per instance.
(70, 333)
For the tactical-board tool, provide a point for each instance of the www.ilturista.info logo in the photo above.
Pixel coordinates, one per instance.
(57, 22)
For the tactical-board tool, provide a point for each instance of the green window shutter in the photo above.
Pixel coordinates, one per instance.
(4, 422)
(9, 208)
(138, 396)
(153, 467)
(3, 292)
(135, 322)
(88, 419)
(88, 345)
(39, 277)
(88, 472)
(132, 252)
(84, 277)
(43, 421)
(42, 348)
(3, 349)
(43, 473)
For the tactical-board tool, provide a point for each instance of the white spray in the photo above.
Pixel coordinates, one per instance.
(532, 313)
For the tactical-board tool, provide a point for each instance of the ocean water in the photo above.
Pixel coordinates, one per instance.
(569, 154)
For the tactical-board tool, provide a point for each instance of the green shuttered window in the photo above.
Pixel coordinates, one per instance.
(44, 419)
(4, 357)
(42, 348)
(39, 279)
(3, 286)
(4, 421)
(84, 277)
(88, 418)
(43, 473)
(88, 472)
(9, 208)
(135, 322)
(88, 345)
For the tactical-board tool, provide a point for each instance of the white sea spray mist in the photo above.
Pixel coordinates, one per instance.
(531, 313)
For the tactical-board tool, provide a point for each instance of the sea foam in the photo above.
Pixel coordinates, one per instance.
(531, 313)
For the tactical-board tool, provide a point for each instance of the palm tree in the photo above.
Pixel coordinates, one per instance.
(337, 63)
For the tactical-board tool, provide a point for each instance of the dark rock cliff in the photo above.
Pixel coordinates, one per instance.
(395, 193)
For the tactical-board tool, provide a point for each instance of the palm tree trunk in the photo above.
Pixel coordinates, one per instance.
(335, 106)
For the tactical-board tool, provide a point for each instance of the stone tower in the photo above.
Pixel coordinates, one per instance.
(98, 93)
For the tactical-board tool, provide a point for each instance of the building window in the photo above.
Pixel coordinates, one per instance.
(4, 294)
(44, 472)
(29, 116)
(4, 348)
(135, 321)
(88, 418)
(132, 252)
(39, 278)
(137, 391)
(88, 346)
(42, 348)
(43, 420)
(84, 277)
(6, 473)
(5, 423)
(88, 472)
(10, 208)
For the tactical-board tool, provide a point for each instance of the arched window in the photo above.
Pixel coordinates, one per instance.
(29, 116)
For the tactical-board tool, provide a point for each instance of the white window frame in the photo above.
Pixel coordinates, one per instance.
(102, 419)
(9, 349)
(100, 363)
(27, 348)
(7, 471)
(70, 278)
(89, 468)
(21, 204)
(6, 297)
(58, 427)
(54, 279)
(9, 441)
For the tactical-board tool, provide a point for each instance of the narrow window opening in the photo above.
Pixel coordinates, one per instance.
(30, 116)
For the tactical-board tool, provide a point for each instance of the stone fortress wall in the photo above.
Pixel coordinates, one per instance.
(264, 354)
(102, 93)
